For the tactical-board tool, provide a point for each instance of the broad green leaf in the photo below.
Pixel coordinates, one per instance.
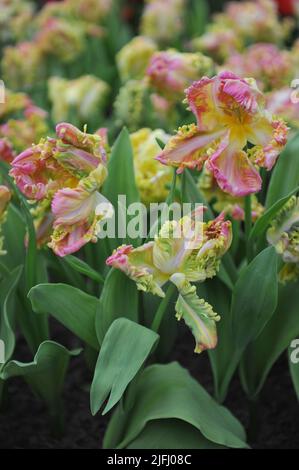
(263, 222)
(35, 329)
(45, 374)
(285, 177)
(119, 298)
(14, 230)
(31, 248)
(254, 298)
(276, 337)
(171, 434)
(169, 392)
(125, 348)
(198, 17)
(73, 308)
(224, 277)
(121, 181)
(7, 311)
(294, 365)
(224, 358)
(83, 268)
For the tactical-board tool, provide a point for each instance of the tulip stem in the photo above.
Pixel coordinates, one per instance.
(171, 195)
(162, 308)
(248, 225)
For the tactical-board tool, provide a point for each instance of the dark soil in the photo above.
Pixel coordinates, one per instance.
(24, 424)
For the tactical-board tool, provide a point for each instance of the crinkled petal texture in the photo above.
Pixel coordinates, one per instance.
(230, 115)
(34, 170)
(284, 231)
(77, 213)
(138, 264)
(176, 241)
(188, 148)
(75, 219)
(197, 314)
(232, 169)
(188, 246)
(5, 196)
(183, 251)
(54, 164)
(65, 176)
(203, 263)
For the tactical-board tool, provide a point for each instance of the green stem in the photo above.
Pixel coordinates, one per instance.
(162, 308)
(248, 225)
(171, 194)
(183, 187)
(169, 200)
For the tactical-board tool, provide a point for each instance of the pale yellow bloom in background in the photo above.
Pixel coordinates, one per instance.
(152, 178)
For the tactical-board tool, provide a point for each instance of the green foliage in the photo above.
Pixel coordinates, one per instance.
(125, 348)
(169, 392)
(75, 309)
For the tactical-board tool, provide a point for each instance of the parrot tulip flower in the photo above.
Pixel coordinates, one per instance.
(230, 115)
(184, 251)
(65, 175)
(284, 236)
(76, 214)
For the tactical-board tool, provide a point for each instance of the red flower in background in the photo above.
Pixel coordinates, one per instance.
(286, 7)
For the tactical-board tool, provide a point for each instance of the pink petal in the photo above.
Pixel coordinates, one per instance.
(233, 171)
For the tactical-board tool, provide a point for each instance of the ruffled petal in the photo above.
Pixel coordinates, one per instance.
(197, 314)
(138, 265)
(177, 240)
(72, 206)
(203, 102)
(188, 148)
(244, 92)
(269, 137)
(234, 172)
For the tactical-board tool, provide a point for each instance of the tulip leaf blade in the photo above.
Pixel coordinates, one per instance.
(125, 347)
(169, 392)
(254, 297)
(72, 307)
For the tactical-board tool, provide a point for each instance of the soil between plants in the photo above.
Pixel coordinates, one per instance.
(24, 422)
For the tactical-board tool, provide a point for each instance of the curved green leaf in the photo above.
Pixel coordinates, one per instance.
(121, 181)
(125, 348)
(171, 434)
(254, 298)
(45, 375)
(119, 298)
(276, 337)
(285, 177)
(83, 268)
(73, 308)
(169, 392)
(7, 313)
(263, 222)
(14, 230)
(225, 357)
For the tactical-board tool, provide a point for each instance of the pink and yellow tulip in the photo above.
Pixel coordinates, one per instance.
(230, 115)
(184, 251)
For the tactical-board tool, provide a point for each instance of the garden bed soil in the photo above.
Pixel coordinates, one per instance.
(24, 424)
